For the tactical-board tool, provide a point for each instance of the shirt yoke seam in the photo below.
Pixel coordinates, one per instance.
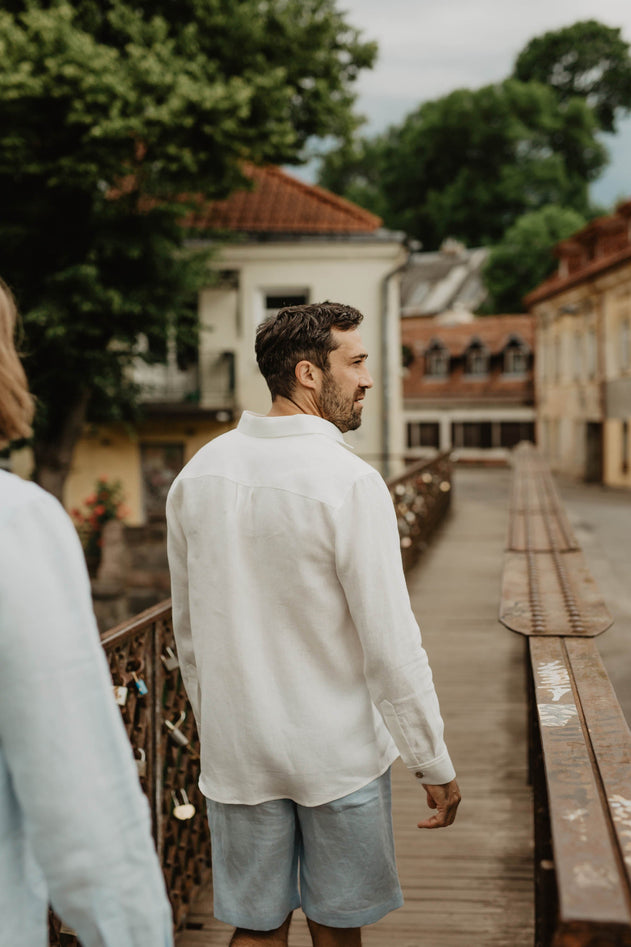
(280, 489)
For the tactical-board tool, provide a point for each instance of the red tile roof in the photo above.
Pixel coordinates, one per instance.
(493, 331)
(601, 245)
(280, 203)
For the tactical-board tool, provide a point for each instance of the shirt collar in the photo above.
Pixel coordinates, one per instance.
(290, 425)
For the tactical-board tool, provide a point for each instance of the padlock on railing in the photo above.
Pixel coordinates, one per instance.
(170, 660)
(174, 730)
(141, 687)
(141, 761)
(120, 694)
(183, 810)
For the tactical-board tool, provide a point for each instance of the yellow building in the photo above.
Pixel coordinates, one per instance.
(583, 333)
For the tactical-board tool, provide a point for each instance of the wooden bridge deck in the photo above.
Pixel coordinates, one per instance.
(470, 885)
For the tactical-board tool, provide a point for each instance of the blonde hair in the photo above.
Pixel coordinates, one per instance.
(16, 403)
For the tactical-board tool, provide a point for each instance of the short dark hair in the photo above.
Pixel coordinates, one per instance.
(296, 333)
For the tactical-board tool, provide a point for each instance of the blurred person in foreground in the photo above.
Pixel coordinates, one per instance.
(299, 649)
(74, 824)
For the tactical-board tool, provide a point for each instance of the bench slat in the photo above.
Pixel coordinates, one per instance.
(610, 737)
(588, 873)
(533, 600)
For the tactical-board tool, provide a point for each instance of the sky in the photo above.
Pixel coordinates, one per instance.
(428, 48)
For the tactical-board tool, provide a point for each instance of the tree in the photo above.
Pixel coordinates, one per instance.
(523, 258)
(107, 113)
(355, 171)
(588, 60)
(469, 164)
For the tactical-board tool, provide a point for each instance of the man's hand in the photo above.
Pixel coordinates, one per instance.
(445, 800)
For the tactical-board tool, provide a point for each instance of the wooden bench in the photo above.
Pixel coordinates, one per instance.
(580, 743)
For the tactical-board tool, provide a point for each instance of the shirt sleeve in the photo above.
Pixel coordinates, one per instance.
(177, 552)
(70, 763)
(399, 678)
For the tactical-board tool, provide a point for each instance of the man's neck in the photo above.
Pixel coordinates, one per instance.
(282, 407)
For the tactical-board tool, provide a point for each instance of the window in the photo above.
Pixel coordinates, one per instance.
(477, 360)
(625, 338)
(472, 434)
(591, 353)
(516, 358)
(275, 299)
(423, 434)
(512, 432)
(437, 361)
(578, 355)
(556, 373)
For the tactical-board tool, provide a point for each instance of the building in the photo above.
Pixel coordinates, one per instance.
(583, 329)
(468, 384)
(282, 242)
(444, 280)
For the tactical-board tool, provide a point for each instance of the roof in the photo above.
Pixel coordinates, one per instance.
(601, 245)
(279, 203)
(494, 332)
(446, 279)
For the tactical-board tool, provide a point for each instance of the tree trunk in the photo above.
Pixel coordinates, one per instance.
(53, 455)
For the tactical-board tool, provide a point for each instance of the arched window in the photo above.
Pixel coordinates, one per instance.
(436, 360)
(516, 356)
(477, 359)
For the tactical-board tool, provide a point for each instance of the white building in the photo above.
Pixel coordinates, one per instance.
(298, 243)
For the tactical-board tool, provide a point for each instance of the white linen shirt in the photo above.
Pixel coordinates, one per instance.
(298, 647)
(74, 824)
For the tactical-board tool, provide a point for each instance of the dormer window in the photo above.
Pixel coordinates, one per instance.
(516, 357)
(437, 360)
(477, 360)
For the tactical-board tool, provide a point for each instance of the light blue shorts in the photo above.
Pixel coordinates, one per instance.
(336, 860)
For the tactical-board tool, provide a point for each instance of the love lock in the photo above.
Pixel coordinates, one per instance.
(175, 733)
(183, 810)
(120, 694)
(170, 660)
(141, 687)
(141, 762)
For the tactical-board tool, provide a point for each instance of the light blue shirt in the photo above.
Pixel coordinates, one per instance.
(74, 824)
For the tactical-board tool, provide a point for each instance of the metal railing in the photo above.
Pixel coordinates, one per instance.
(421, 497)
(159, 722)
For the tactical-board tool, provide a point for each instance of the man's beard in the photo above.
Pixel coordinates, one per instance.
(337, 408)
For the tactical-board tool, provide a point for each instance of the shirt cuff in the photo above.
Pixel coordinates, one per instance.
(436, 773)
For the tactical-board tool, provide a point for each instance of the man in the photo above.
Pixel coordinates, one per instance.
(299, 650)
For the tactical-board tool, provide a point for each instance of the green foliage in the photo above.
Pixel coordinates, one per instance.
(524, 258)
(355, 171)
(109, 110)
(588, 60)
(469, 164)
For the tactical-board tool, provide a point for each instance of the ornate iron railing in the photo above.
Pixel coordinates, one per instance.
(159, 722)
(160, 726)
(421, 497)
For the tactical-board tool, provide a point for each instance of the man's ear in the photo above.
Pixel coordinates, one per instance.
(307, 374)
